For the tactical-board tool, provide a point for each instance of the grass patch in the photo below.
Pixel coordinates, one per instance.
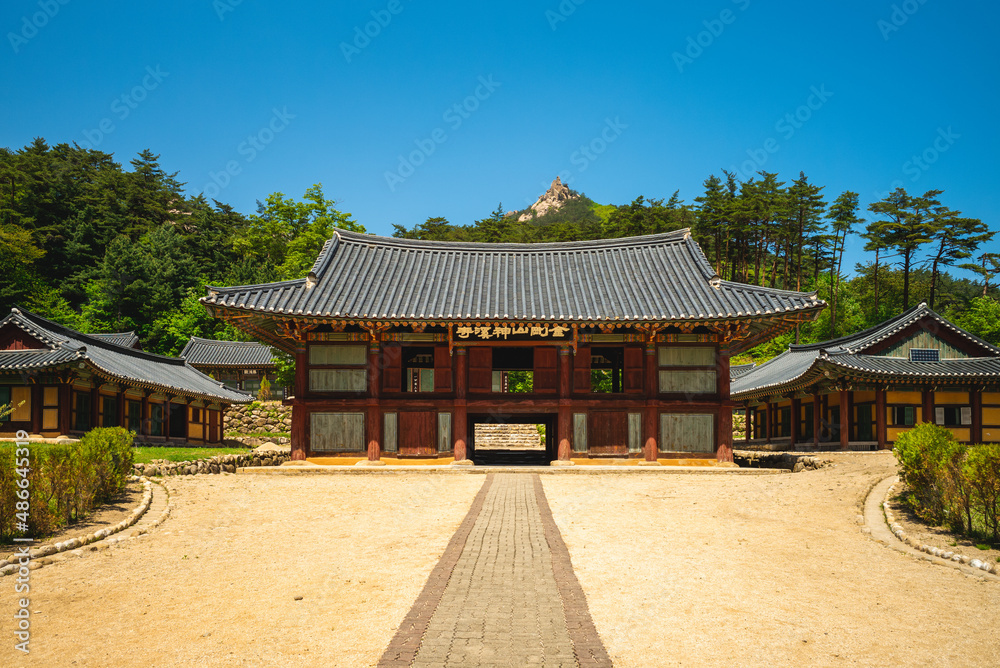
(144, 455)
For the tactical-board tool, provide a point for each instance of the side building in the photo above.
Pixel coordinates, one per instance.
(64, 383)
(619, 347)
(241, 365)
(861, 391)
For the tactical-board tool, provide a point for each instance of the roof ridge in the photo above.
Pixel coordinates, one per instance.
(675, 236)
(86, 339)
(847, 338)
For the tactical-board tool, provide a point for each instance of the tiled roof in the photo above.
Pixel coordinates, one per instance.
(738, 370)
(663, 277)
(123, 339)
(800, 365)
(111, 361)
(208, 352)
(862, 341)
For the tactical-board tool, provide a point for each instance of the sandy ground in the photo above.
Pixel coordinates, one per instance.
(215, 584)
(773, 570)
(678, 570)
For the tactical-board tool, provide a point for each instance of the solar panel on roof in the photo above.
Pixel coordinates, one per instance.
(925, 355)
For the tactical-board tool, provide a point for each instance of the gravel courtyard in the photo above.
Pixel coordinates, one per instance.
(677, 569)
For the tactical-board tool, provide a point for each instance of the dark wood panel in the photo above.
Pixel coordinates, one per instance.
(608, 433)
(481, 369)
(581, 369)
(442, 369)
(417, 433)
(392, 371)
(633, 369)
(546, 369)
(14, 338)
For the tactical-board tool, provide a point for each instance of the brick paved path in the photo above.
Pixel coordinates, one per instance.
(504, 592)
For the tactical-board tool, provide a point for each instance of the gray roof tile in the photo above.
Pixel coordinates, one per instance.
(662, 277)
(135, 367)
(209, 352)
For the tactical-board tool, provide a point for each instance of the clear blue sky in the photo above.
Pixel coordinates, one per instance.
(656, 110)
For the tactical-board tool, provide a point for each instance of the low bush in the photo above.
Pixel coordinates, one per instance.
(65, 481)
(950, 483)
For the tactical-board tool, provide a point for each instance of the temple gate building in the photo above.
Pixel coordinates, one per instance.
(619, 347)
(861, 391)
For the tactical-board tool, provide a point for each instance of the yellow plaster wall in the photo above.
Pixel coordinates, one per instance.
(904, 397)
(951, 398)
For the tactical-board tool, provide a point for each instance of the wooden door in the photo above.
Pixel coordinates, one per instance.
(608, 433)
(480, 369)
(392, 370)
(633, 369)
(546, 369)
(581, 369)
(442, 369)
(417, 433)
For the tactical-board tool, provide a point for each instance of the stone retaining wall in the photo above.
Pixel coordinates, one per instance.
(216, 465)
(259, 416)
(791, 461)
(508, 437)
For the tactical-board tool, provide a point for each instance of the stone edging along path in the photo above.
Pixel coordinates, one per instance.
(102, 538)
(881, 523)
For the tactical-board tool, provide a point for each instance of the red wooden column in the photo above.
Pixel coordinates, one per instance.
(880, 432)
(95, 403)
(300, 446)
(120, 404)
(650, 428)
(845, 419)
(460, 417)
(768, 422)
(144, 419)
(65, 405)
(724, 418)
(37, 400)
(793, 428)
(928, 406)
(373, 415)
(564, 429)
(976, 397)
(817, 417)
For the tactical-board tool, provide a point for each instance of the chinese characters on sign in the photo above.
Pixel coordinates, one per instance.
(503, 332)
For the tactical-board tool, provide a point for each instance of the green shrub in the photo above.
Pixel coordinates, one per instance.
(66, 481)
(982, 468)
(924, 453)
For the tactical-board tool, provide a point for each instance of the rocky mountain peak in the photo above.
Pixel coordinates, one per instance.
(553, 199)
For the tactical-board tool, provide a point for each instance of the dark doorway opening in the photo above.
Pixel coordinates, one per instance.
(178, 421)
(502, 447)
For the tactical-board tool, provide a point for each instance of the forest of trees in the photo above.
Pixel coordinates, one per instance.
(97, 247)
